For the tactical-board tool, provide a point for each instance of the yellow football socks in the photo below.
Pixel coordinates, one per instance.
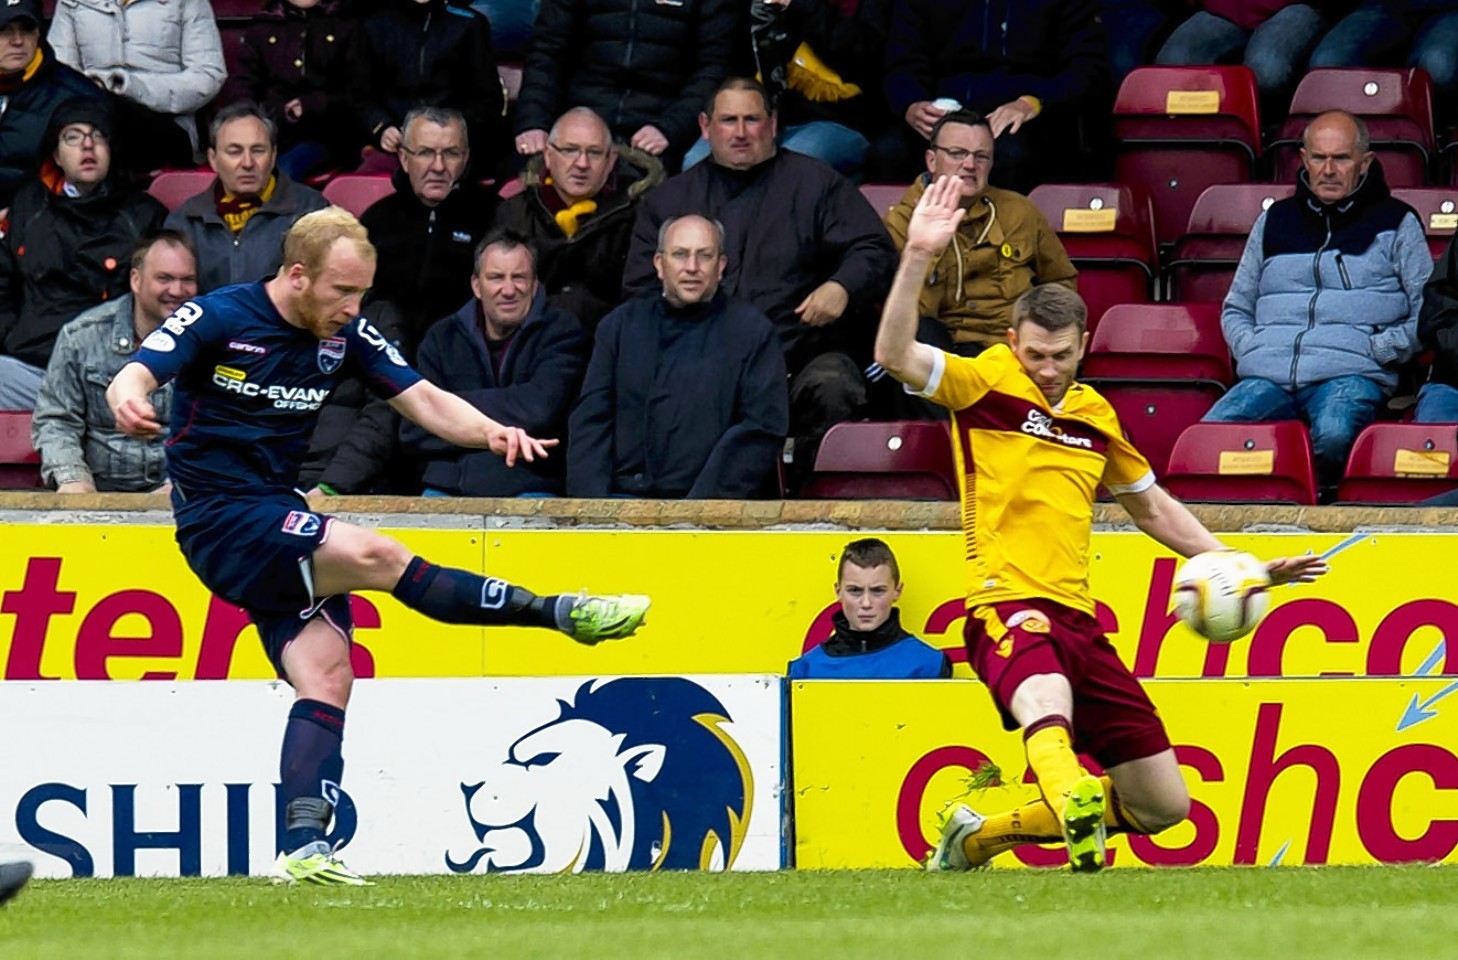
(1030, 823)
(1051, 758)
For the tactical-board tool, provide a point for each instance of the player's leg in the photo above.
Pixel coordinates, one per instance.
(1147, 795)
(353, 558)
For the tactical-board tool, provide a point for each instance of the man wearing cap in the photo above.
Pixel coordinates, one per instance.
(67, 246)
(32, 84)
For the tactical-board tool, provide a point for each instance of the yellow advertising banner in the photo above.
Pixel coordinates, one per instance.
(118, 602)
(1355, 771)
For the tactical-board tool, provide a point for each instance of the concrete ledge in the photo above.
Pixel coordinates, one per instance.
(46, 507)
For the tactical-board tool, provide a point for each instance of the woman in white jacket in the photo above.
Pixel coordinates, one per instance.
(163, 60)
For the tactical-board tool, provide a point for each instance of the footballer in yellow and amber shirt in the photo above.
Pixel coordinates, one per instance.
(1028, 474)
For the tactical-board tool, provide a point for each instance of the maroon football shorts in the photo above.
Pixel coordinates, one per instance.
(1114, 720)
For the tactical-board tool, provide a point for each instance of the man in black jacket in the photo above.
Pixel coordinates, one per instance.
(1438, 332)
(645, 68)
(577, 209)
(803, 246)
(33, 83)
(511, 355)
(68, 247)
(685, 393)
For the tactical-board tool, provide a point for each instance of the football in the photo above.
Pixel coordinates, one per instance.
(1221, 594)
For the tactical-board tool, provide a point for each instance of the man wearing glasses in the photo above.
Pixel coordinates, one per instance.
(1002, 249)
(577, 209)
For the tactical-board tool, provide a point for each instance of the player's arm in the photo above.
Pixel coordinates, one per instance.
(456, 421)
(129, 397)
(933, 224)
(1169, 521)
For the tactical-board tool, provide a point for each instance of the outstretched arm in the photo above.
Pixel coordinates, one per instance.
(1169, 521)
(453, 419)
(129, 398)
(933, 224)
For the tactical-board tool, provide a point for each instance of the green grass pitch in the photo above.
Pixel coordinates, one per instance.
(1284, 913)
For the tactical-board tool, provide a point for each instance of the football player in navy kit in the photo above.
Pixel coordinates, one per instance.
(253, 363)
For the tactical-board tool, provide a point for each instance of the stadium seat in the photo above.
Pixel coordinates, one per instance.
(1108, 231)
(1401, 463)
(1397, 106)
(1437, 208)
(172, 187)
(1178, 343)
(19, 463)
(1154, 414)
(900, 460)
(357, 192)
(1181, 129)
(1243, 462)
(883, 196)
(1204, 259)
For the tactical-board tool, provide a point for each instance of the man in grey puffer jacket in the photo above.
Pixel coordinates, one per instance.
(1325, 302)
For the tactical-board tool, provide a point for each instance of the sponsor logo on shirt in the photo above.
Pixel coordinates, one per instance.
(233, 380)
(1039, 424)
(331, 354)
(301, 523)
(247, 347)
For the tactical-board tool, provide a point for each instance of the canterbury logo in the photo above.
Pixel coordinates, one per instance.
(1039, 424)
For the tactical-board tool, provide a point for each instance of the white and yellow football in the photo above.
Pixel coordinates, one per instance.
(1222, 594)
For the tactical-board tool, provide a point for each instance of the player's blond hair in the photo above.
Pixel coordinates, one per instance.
(310, 239)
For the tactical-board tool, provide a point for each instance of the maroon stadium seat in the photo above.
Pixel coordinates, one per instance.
(19, 463)
(1181, 129)
(357, 192)
(1397, 106)
(883, 196)
(172, 187)
(1401, 463)
(1108, 231)
(1176, 342)
(1437, 208)
(1154, 414)
(1204, 259)
(901, 460)
(1243, 462)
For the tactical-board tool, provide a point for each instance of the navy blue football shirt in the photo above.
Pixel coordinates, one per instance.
(250, 385)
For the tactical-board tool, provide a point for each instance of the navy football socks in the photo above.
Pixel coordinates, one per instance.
(459, 596)
(310, 768)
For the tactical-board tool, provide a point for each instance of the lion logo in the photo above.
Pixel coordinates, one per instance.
(634, 774)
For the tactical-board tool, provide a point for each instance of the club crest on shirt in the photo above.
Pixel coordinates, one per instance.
(331, 354)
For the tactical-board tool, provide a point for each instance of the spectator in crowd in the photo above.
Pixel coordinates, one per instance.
(685, 393)
(427, 53)
(161, 59)
(513, 356)
(237, 224)
(1390, 33)
(511, 26)
(425, 230)
(74, 430)
(66, 246)
(803, 246)
(1438, 333)
(577, 209)
(1135, 28)
(1031, 68)
(33, 83)
(1324, 306)
(869, 642)
(1271, 37)
(1002, 248)
(822, 62)
(644, 68)
(295, 63)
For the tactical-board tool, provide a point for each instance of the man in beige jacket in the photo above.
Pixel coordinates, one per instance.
(1003, 247)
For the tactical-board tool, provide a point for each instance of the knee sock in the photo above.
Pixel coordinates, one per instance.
(1117, 818)
(1049, 746)
(310, 768)
(1030, 823)
(459, 596)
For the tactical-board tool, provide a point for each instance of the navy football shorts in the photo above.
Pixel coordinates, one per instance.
(257, 552)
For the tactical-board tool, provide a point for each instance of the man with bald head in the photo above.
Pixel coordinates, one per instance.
(685, 395)
(1324, 306)
(581, 196)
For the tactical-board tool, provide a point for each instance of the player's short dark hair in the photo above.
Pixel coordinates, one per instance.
(508, 240)
(238, 110)
(173, 238)
(740, 83)
(967, 118)
(868, 554)
(1051, 306)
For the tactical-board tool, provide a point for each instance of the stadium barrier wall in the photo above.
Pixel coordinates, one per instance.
(541, 775)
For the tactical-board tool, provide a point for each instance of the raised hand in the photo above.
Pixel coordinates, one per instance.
(935, 219)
